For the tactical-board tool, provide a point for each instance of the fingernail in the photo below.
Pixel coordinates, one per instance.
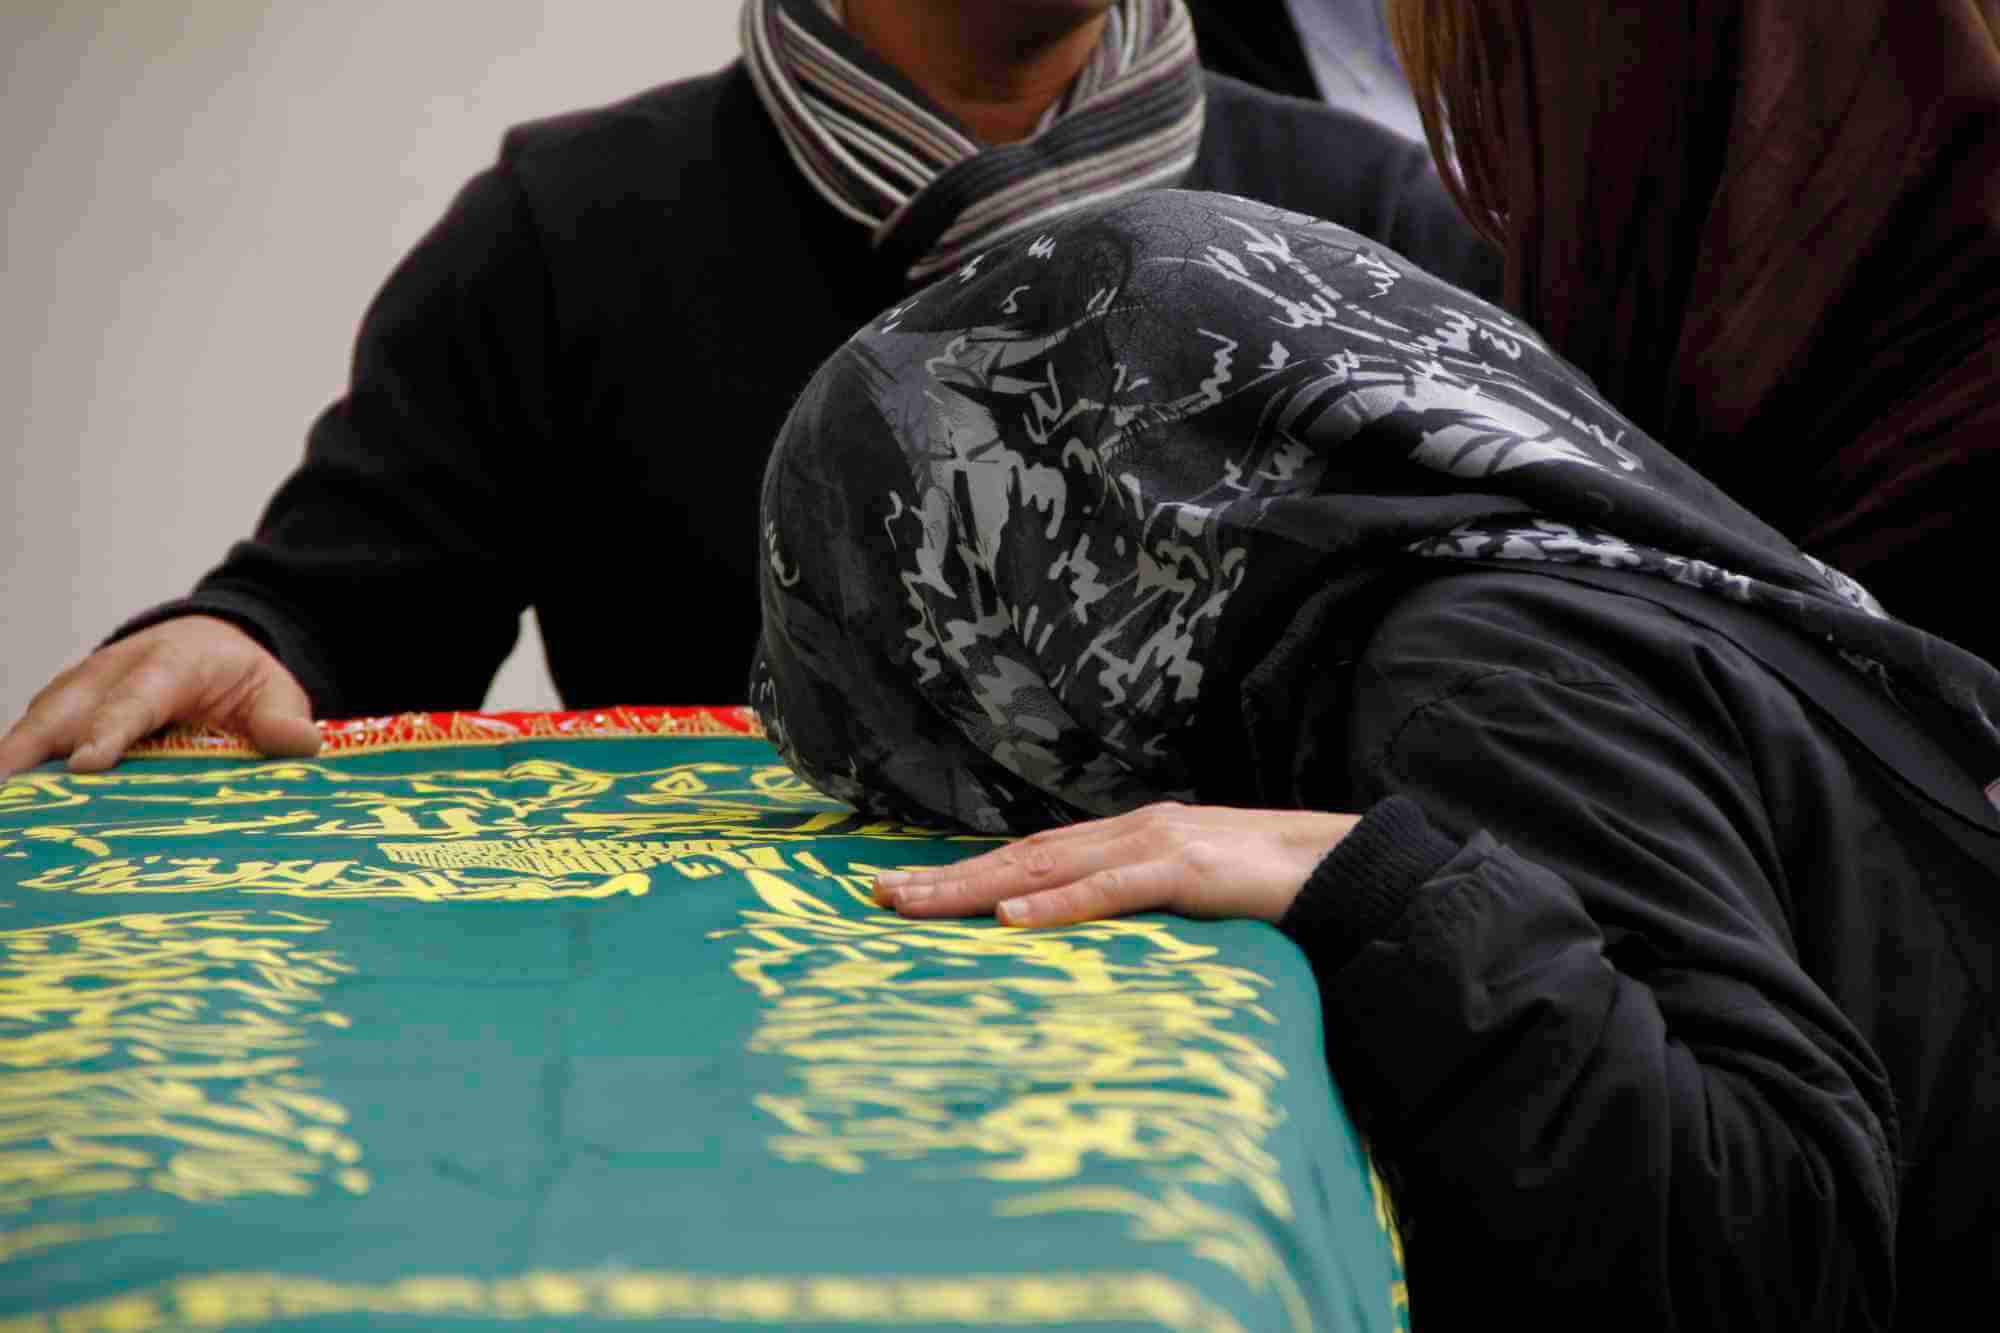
(889, 879)
(1012, 912)
(85, 756)
(914, 894)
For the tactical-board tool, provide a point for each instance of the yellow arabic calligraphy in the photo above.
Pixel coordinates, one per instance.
(1116, 1042)
(159, 1051)
(493, 800)
(513, 834)
(318, 879)
(1038, 1300)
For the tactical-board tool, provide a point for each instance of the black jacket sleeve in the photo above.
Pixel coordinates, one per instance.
(1563, 1001)
(386, 572)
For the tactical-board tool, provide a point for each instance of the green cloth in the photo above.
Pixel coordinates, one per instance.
(554, 1032)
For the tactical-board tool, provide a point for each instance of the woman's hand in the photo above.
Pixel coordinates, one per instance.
(1197, 860)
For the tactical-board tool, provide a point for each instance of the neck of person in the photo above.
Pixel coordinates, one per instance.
(995, 65)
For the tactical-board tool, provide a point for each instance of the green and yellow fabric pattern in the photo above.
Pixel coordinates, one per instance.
(556, 1021)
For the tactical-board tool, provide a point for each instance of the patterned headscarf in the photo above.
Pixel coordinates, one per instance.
(883, 154)
(1019, 529)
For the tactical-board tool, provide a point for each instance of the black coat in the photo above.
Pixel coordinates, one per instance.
(565, 396)
(1660, 976)
(1659, 970)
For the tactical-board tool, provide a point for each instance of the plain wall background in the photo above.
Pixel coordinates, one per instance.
(202, 196)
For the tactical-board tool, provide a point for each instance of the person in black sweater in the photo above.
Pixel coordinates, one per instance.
(562, 399)
(1658, 972)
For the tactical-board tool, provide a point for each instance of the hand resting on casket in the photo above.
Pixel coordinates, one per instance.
(196, 669)
(1199, 861)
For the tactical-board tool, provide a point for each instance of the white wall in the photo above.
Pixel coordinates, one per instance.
(201, 197)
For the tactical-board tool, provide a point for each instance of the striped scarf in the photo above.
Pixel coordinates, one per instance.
(932, 196)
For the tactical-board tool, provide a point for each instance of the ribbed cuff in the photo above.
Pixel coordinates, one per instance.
(1364, 885)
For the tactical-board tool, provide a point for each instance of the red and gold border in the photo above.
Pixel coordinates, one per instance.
(422, 731)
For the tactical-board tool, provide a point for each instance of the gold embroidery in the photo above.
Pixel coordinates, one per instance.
(29, 792)
(1229, 1239)
(521, 833)
(157, 1051)
(429, 731)
(1114, 1042)
(1385, 1217)
(51, 1235)
(319, 879)
(1006, 1300)
(438, 825)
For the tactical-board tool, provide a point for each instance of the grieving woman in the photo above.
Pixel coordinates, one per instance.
(1658, 961)
(1659, 968)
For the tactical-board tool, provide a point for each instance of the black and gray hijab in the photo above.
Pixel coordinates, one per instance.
(1024, 530)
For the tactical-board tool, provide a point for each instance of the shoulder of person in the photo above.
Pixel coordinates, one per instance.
(1242, 113)
(682, 110)
(1465, 631)
(655, 144)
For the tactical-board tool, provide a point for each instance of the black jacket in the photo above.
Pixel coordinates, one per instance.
(1255, 41)
(1660, 972)
(564, 397)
